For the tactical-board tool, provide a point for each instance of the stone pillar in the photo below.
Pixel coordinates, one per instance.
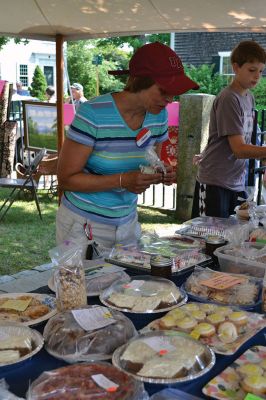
(192, 138)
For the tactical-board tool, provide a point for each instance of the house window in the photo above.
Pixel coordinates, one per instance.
(226, 66)
(225, 63)
(23, 74)
(49, 75)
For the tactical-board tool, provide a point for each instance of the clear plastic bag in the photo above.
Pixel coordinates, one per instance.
(154, 163)
(69, 276)
(78, 382)
(5, 394)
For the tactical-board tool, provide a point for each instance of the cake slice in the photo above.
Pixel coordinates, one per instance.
(144, 304)
(9, 356)
(22, 342)
(122, 300)
(162, 367)
(138, 352)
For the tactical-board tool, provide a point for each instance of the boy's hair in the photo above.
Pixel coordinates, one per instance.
(248, 51)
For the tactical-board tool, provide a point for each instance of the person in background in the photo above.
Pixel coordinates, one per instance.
(222, 165)
(21, 91)
(77, 94)
(50, 94)
(99, 164)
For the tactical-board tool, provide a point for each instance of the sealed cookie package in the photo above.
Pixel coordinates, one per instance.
(69, 276)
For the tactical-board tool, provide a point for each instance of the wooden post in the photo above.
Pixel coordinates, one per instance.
(192, 138)
(60, 90)
(60, 96)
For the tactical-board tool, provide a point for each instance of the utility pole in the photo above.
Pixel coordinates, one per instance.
(97, 60)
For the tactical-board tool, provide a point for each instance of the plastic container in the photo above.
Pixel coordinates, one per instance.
(143, 294)
(88, 334)
(239, 264)
(164, 357)
(86, 381)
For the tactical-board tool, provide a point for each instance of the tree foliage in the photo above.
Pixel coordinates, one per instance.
(209, 82)
(38, 85)
(135, 41)
(4, 40)
(81, 68)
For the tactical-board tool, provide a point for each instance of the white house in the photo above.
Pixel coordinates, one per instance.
(18, 62)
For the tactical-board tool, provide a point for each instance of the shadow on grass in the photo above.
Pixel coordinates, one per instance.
(151, 215)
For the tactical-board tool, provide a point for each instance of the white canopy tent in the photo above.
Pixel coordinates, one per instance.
(63, 20)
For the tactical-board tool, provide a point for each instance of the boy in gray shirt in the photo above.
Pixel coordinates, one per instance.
(221, 172)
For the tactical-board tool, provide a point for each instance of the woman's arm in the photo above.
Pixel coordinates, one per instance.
(73, 158)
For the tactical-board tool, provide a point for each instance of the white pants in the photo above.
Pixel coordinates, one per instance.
(70, 226)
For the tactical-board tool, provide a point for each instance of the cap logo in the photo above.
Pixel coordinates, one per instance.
(175, 62)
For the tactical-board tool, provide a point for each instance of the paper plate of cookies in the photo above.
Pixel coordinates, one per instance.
(223, 328)
(164, 357)
(27, 308)
(18, 343)
(246, 375)
(143, 294)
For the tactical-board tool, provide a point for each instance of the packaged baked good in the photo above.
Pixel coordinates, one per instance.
(223, 288)
(86, 334)
(223, 328)
(244, 378)
(90, 381)
(143, 294)
(160, 357)
(69, 276)
(18, 342)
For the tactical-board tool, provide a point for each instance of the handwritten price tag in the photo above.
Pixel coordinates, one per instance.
(222, 281)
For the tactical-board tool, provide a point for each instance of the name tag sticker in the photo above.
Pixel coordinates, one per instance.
(143, 137)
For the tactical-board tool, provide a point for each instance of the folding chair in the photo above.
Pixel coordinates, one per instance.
(19, 185)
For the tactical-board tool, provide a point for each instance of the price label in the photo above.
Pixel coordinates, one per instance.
(222, 281)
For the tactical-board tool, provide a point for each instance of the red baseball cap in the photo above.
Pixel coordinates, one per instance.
(162, 64)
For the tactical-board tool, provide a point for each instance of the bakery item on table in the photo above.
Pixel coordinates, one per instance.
(138, 352)
(186, 324)
(162, 367)
(91, 381)
(143, 294)
(239, 318)
(227, 332)
(254, 384)
(163, 357)
(249, 369)
(66, 337)
(216, 319)
(205, 330)
(18, 342)
(207, 285)
(22, 308)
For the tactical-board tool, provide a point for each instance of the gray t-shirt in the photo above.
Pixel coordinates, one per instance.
(231, 114)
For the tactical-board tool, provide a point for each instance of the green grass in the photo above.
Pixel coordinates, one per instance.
(25, 240)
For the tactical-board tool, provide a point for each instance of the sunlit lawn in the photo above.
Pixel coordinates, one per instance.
(25, 240)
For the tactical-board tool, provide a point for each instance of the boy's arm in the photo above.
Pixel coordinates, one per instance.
(243, 150)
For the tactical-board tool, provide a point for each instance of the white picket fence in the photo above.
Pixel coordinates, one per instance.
(159, 196)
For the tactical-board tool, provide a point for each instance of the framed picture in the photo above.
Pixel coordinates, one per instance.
(40, 125)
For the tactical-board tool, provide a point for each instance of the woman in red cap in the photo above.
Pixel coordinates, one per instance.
(99, 164)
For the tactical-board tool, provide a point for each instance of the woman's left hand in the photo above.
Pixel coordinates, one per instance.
(170, 177)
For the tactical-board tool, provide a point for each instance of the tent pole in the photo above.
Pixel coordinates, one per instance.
(60, 97)
(59, 90)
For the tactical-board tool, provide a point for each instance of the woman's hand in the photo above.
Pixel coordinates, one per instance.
(137, 182)
(170, 177)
